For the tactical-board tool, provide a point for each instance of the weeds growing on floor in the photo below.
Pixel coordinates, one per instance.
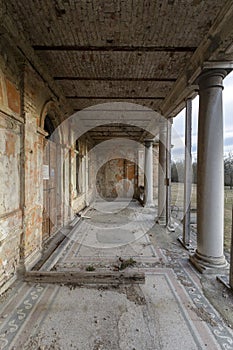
(126, 263)
(90, 268)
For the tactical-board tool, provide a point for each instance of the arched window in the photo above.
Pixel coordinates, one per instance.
(48, 126)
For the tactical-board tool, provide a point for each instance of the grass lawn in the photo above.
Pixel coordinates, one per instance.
(177, 197)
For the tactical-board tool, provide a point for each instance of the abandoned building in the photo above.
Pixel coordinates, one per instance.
(89, 256)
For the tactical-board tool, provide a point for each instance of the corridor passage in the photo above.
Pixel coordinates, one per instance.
(168, 311)
(107, 232)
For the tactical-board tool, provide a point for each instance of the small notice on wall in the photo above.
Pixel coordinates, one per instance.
(45, 172)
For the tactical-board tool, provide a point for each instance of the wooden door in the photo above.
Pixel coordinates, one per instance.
(50, 211)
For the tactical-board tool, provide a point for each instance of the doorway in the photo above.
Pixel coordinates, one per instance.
(51, 202)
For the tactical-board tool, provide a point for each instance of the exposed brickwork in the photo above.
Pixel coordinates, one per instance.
(10, 143)
(1, 92)
(10, 210)
(117, 170)
(13, 97)
(116, 178)
(33, 182)
(21, 196)
(35, 94)
(10, 246)
(115, 65)
(121, 22)
(104, 24)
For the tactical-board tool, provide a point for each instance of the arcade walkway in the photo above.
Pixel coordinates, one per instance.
(168, 311)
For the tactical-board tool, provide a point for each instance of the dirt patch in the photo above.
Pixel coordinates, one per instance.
(124, 263)
(184, 281)
(110, 219)
(135, 294)
(220, 296)
(159, 237)
(204, 315)
(127, 212)
(132, 292)
(90, 268)
(40, 341)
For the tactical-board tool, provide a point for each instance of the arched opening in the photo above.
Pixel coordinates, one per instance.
(119, 148)
(48, 126)
(52, 179)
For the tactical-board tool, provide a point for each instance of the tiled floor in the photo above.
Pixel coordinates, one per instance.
(168, 312)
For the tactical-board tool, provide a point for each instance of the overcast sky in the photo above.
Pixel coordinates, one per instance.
(178, 129)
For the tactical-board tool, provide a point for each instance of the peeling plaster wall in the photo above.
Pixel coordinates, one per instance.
(23, 97)
(34, 93)
(117, 177)
(66, 185)
(86, 175)
(141, 158)
(92, 165)
(10, 160)
(33, 205)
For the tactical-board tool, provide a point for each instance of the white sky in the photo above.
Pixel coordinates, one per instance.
(178, 128)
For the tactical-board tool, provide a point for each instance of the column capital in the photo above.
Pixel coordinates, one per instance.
(163, 126)
(211, 78)
(170, 120)
(148, 142)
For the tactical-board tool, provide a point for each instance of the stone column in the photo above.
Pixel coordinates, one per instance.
(169, 225)
(162, 173)
(148, 179)
(86, 176)
(210, 176)
(231, 263)
(187, 173)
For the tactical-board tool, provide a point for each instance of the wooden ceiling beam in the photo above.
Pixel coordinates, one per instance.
(124, 48)
(114, 136)
(110, 79)
(116, 97)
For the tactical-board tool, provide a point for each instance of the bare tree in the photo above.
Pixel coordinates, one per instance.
(228, 169)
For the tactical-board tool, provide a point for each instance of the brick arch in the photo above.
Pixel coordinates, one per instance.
(51, 109)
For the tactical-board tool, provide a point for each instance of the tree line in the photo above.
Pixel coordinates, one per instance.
(177, 171)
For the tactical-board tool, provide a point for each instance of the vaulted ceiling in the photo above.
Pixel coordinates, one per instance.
(146, 52)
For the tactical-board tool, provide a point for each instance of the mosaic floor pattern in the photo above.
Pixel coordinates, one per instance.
(168, 312)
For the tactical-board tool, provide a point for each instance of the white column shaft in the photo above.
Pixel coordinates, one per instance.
(187, 172)
(149, 172)
(168, 173)
(162, 173)
(210, 183)
(231, 264)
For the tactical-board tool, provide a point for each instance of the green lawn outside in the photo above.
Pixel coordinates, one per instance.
(177, 198)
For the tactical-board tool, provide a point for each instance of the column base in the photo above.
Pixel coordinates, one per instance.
(205, 264)
(149, 205)
(187, 246)
(28, 263)
(161, 221)
(170, 228)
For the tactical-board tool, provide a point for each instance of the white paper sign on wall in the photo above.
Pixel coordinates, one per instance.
(45, 172)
